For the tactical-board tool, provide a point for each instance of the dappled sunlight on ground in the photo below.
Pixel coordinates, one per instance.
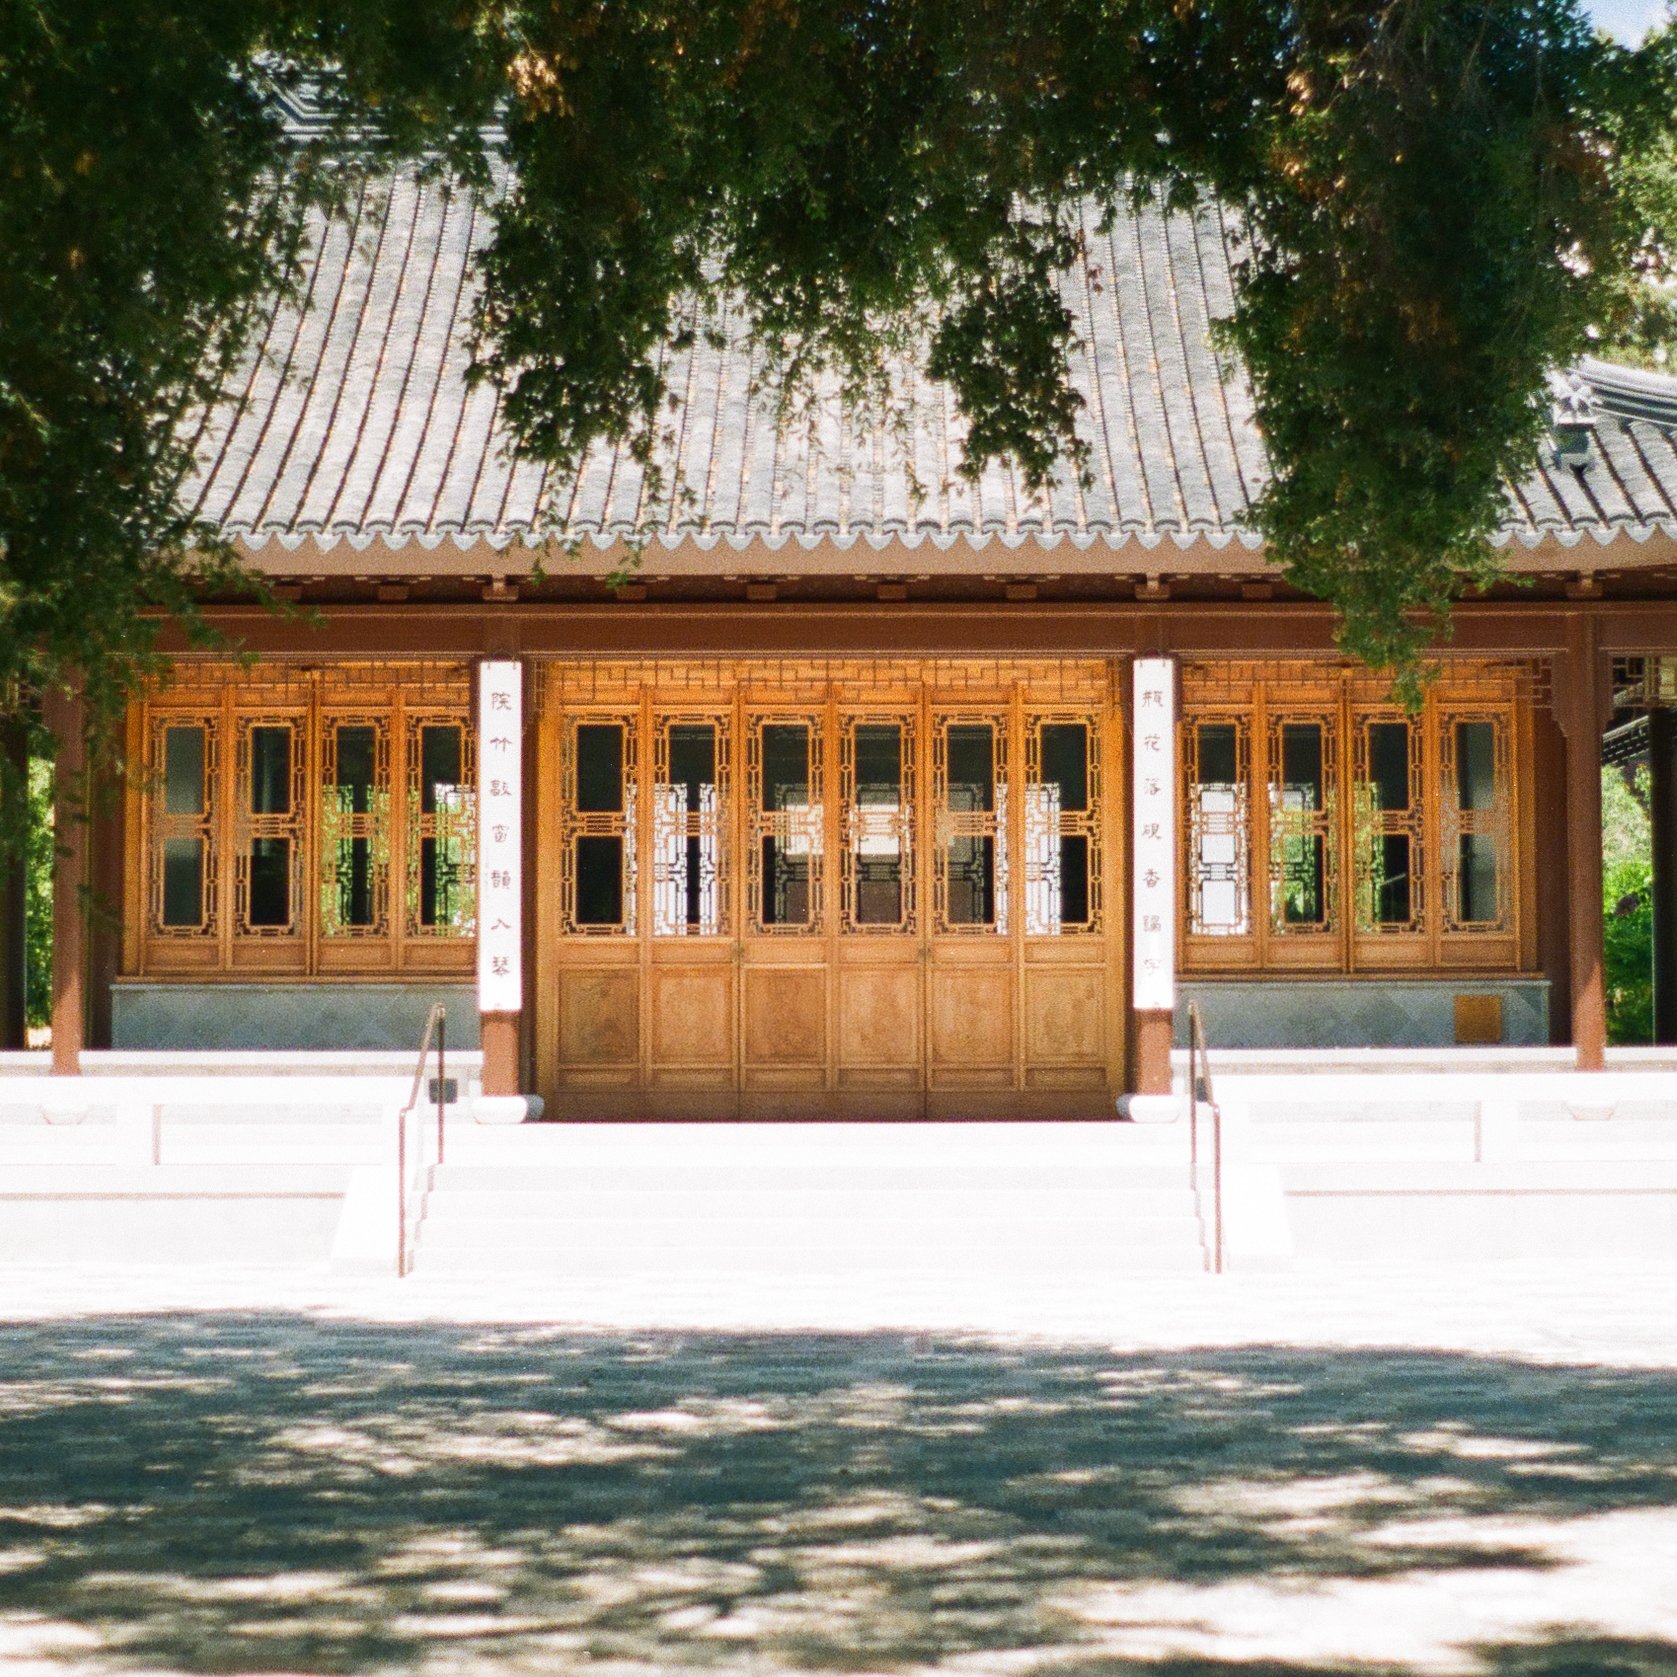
(245, 1492)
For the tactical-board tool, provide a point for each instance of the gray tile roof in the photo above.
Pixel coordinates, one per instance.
(355, 422)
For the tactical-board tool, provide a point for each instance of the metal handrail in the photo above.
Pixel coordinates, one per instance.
(436, 1024)
(1199, 1089)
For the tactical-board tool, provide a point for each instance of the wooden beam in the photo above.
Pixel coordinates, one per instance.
(1191, 629)
(62, 713)
(1662, 813)
(1582, 708)
(14, 900)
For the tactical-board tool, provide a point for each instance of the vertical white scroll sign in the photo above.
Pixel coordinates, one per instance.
(1153, 801)
(500, 852)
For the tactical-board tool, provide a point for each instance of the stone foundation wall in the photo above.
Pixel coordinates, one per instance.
(293, 1017)
(1356, 1013)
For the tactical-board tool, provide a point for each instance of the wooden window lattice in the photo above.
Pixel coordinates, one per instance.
(1388, 840)
(172, 830)
(1303, 829)
(971, 865)
(786, 835)
(264, 836)
(1467, 827)
(878, 863)
(1218, 827)
(315, 867)
(1441, 842)
(690, 848)
(354, 844)
(599, 829)
(1062, 893)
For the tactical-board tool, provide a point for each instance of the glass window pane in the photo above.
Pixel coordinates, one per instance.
(970, 881)
(1301, 764)
(599, 767)
(356, 752)
(1219, 855)
(687, 833)
(785, 765)
(879, 763)
(788, 884)
(445, 896)
(1475, 765)
(441, 751)
(1476, 880)
(1392, 881)
(351, 831)
(1300, 860)
(788, 845)
(183, 882)
(270, 773)
(1217, 753)
(1057, 855)
(970, 754)
(599, 881)
(1065, 762)
(1074, 880)
(877, 825)
(693, 758)
(270, 881)
(1388, 764)
(183, 772)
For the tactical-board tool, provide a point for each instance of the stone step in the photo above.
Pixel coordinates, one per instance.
(642, 1200)
(1072, 1146)
(769, 1177)
(748, 1270)
(753, 1227)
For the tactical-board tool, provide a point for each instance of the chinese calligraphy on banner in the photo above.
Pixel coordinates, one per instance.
(1153, 932)
(500, 803)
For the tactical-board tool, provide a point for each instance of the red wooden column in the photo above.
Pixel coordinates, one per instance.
(1662, 819)
(62, 713)
(500, 877)
(1153, 854)
(1581, 706)
(14, 898)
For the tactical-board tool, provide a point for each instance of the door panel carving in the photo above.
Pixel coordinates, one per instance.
(692, 1017)
(1065, 1016)
(970, 1016)
(786, 1017)
(599, 1018)
(879, 1020)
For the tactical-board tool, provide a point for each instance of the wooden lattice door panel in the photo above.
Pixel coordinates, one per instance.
(971, 1024)
(845, 923)
(1065, 1009)
(691, 1018)
(598, 1013)
(784, 1024)
(1327, 829)
(309, 821)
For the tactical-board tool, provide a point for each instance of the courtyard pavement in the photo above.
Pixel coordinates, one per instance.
(1254, 1476)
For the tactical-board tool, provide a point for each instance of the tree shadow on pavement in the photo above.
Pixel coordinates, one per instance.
(240, 1493)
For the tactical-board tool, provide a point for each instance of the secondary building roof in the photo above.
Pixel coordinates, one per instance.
(356, 422)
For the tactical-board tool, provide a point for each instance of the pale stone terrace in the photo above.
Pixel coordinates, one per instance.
(1254, 1476)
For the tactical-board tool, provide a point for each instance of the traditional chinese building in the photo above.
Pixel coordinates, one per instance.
(807, 777)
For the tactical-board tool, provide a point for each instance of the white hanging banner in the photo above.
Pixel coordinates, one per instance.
(1153, 801)
(500, 851)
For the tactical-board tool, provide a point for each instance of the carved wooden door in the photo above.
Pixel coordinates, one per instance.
(878, 898)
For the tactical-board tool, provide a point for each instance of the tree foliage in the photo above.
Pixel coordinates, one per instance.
(152, 208)
(1443, 200)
